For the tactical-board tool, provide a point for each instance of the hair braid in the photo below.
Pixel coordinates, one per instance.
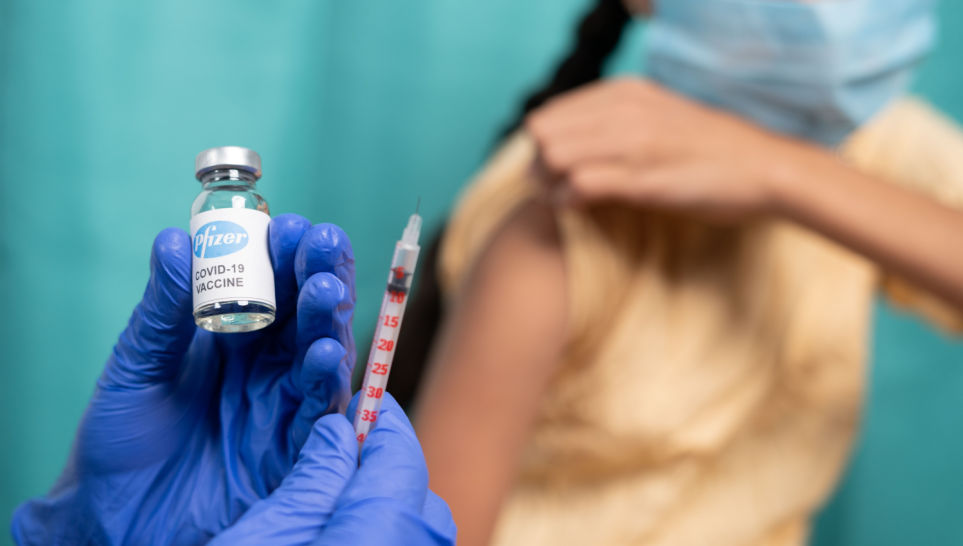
(596, 38)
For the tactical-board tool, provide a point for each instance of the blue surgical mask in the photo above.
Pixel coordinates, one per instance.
(816, 70)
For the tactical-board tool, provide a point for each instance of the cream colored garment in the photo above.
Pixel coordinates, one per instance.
(715, 375)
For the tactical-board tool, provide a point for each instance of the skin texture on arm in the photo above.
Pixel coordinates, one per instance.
(498, 352)
(906, 233)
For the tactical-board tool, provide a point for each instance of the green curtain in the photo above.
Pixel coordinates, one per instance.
(357, 108)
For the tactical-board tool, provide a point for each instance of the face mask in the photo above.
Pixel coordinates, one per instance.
(816, 70)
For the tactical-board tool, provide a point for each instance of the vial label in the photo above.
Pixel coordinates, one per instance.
(231, 262)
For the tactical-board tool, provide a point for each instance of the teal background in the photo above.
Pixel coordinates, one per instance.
(357, 108)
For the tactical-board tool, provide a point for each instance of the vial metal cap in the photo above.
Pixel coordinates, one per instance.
(227, 157)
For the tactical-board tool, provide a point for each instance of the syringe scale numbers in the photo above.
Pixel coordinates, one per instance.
(389, 325)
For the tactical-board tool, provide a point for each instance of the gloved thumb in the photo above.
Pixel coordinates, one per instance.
(297, 510)
(392, 484)
(161, 326)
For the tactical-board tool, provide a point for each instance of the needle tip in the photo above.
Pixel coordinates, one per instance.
(418, 205)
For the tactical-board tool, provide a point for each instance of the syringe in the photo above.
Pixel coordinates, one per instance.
(389, 325)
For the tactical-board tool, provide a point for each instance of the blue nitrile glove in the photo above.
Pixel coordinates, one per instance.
(328, 500)
(187, 429)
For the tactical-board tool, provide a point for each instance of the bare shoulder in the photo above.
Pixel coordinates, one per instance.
(510, 311)
(524, 258)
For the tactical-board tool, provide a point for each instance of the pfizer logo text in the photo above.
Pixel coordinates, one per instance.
(220, 238)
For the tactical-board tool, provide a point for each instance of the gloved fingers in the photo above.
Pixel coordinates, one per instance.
(380, 521)
(325, 248)
(284, 236)
(161, 327)
(437, 515)
(324, 380)
(297, 510)
(325, 306)
(392, 463)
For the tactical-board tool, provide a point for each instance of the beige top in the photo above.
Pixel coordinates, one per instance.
(715, 376)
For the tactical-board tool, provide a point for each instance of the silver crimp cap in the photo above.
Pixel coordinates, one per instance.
(227, 157)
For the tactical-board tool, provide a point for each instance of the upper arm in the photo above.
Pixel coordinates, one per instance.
(498, 351)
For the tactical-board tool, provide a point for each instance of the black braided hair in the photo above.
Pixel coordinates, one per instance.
(596, 37)
(598, 33)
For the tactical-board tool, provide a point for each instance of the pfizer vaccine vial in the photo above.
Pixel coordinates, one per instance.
(231, 276)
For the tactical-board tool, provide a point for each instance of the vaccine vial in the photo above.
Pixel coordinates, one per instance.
(231, 275)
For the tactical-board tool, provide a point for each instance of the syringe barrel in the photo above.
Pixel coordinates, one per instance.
(405, 258)
(382, 352)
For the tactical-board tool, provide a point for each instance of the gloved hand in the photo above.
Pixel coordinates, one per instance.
(187, 429)
(328, 500)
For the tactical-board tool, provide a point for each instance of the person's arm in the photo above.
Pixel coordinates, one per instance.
(907, 233)
(497, 354)
(632, 141)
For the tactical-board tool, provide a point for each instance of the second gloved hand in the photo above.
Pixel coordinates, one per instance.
(327, 499)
